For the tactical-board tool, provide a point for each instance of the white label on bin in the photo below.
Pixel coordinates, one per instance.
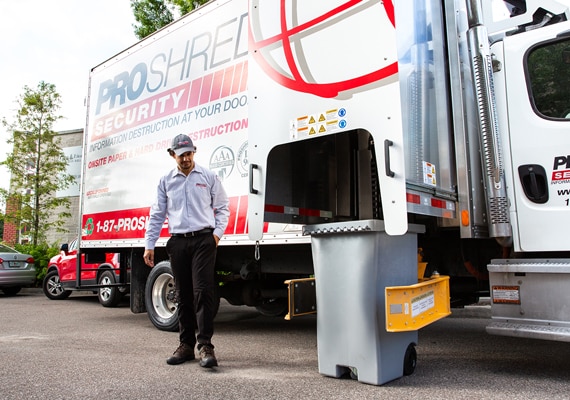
(422, 303)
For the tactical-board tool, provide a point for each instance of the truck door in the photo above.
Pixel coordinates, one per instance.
(318, 70)
(537, 80)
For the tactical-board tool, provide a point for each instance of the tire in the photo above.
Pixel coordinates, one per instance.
(276, 308)
(53, 288)
(160, 301)
(410, 360)
(159, 298)
(12, 290)
(108, 296)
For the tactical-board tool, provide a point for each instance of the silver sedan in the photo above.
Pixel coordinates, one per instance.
(17, 270)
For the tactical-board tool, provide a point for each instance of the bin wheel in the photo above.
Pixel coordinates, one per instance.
(353, 373)
(410, 359)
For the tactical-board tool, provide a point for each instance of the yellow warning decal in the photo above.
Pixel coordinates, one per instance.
(332, 113)
(326, 121)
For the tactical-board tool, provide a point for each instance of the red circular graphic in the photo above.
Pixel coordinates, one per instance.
(296, 81)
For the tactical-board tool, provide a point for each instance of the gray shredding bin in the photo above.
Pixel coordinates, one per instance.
(354, 262)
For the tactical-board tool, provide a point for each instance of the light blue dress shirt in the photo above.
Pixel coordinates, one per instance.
(191, 203)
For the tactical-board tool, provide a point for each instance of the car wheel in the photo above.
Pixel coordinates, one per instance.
(12, 290)
(53, 288)
(109, 296)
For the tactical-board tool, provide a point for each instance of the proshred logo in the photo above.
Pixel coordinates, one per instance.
(200, 69)
(561, 170)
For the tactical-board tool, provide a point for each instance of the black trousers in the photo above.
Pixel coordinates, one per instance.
(193, 260)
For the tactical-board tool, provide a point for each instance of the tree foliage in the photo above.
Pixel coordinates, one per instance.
(151, 15)
(37, 164)
(41, 253)
(549, 73)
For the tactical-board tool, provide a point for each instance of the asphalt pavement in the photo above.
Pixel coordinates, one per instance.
(77, 349)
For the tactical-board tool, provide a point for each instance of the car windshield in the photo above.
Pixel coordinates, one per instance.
(6, 249)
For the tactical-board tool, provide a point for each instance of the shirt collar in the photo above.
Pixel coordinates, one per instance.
(197, 168)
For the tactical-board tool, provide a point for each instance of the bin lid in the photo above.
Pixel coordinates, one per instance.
(359, 226)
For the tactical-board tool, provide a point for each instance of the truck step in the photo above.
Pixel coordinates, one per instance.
(530, 331)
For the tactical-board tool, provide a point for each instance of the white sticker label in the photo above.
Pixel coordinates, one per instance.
(423, 303)
(429, 174)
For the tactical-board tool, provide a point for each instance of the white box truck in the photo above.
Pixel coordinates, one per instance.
(453, 115)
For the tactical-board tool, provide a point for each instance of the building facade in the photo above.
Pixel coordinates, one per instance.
(71, 142)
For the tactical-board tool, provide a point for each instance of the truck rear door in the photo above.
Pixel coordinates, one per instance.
(318, 70)
(537, 81)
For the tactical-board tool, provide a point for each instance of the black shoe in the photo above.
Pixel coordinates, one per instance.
(207, 356)
(183, 353)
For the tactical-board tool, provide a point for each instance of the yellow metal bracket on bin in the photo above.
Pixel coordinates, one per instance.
(409, 308)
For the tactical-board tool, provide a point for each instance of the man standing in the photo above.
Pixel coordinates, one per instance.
(196, 205)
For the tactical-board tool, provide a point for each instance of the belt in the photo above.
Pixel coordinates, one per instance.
(195, 233)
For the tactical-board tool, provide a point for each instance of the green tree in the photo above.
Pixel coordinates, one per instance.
(37, 164)
(152, 15)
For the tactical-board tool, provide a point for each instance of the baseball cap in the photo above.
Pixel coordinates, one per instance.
(182, 144)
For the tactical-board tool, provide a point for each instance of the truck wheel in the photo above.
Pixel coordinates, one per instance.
(159, 298)
(52, 287)
(276, 308)
(108, 296)
(410, 359)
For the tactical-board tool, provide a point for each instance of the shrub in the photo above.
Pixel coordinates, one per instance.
(42, 254)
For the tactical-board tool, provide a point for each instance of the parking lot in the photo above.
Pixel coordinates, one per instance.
(76, 349)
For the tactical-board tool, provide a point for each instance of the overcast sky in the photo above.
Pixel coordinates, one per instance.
(57, 41)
